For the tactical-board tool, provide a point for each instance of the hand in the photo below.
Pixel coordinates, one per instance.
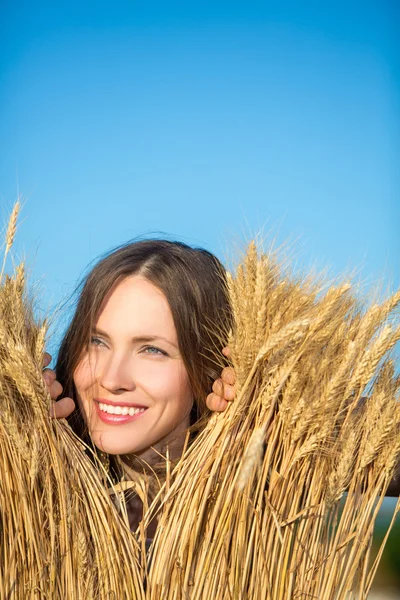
(64, 407)
(224, 389)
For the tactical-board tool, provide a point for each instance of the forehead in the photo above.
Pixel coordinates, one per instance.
(138, 306)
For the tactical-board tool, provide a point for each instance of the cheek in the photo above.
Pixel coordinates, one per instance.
(181, 390)
(84, 379)
(84, 375)
(170, 386)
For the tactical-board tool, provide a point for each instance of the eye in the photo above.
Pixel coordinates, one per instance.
(154, 351)
(96, 341)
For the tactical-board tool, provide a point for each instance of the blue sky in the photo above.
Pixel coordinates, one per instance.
(204, 121)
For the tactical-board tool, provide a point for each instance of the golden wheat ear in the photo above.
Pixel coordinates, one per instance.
(10, 234)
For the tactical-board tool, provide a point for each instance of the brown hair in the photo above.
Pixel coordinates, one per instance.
(194, 283)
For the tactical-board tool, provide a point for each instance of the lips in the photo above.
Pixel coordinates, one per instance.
(119, 410)
(118, 414)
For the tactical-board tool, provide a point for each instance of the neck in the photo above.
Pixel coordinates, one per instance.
(150, 459)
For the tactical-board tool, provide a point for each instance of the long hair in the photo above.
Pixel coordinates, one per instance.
(194, 282)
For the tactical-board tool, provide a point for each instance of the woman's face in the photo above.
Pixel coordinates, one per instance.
(132, 385)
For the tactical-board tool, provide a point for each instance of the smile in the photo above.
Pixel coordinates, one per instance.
(111, 409)
(112, 414)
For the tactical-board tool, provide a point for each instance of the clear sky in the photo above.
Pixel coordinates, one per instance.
(206, 121)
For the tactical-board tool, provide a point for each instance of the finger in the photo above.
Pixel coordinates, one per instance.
(63, 408)
(228, 375)
(46, 359)
(218, 387)
(226, 351)
(49, 376)
(216, 403)
(55, 390)
(229, 392)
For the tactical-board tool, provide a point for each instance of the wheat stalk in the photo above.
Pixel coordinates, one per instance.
(60, 534)
(273, 529)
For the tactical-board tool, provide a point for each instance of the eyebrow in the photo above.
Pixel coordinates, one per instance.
(139, 339)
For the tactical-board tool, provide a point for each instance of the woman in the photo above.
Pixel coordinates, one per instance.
(142, 350)
(145, 339)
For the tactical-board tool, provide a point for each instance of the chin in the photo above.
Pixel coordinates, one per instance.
(115, 445)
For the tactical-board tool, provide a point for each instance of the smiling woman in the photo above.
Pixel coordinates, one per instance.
(143, 348)
(132, 385)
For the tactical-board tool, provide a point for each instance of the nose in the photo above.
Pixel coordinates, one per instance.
(116, 374)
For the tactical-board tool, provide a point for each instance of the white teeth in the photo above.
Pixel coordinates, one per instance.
(120, 410)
